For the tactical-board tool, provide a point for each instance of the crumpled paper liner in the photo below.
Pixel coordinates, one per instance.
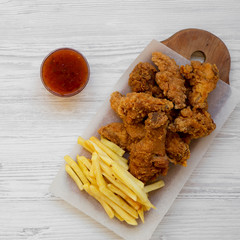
(222, 102)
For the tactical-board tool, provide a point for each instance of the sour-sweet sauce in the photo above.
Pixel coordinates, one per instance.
(65, 72)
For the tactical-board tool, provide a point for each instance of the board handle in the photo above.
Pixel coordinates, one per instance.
(188, 41)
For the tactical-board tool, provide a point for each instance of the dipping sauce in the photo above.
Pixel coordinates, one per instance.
(65, 72)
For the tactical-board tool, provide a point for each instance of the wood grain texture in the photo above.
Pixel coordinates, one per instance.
(191, 40)
(38, 129)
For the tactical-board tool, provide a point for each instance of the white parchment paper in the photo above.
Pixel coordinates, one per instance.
(221, 101)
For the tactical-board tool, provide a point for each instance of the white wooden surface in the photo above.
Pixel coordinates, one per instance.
(37, 129)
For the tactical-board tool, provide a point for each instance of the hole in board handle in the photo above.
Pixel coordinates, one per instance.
(198, 56)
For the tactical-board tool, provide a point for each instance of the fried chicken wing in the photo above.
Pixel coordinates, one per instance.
(135, 131)
(142, 79)
(115, 100)
(165, 63)
(169, 80)
(196, 122)
(134, 107)
(116, 133)
(203, 78)
(177, 149)
(148, 157)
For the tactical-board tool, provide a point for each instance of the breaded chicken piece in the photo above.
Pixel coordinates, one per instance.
(165, 63)
(196, 122)
(124, 135)
(177, 150)
(116, 133)
(115, 100)
(142, 79)
(169, 80)
(148, 157)
(134, 107)
(203, 78)
(135, 131)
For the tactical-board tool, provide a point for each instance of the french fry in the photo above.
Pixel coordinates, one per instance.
(115, 148)
(118, 216)
(109, 172)
(76, 169)
(119, 201)
(109, 163)
(101, 153)
(82, 142)
(154, 186)
(105, 177)
(140, 183)
(106, 169)
(85, 161)
(135, 187)
(97, 170)
(91, 172)
(74, 177)
(104, 156)
(129, 219)
(145, 208)
(86, 172)
(116, 190)
(120, 185)
(106, 207)
(141, 214)
(110, 153)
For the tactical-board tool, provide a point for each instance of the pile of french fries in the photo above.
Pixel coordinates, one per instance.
(106, 177)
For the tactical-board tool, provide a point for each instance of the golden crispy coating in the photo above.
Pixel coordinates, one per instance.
(148, 157)
(169, 80)
(177, 149)
(135, 131)
(122, 134)
(203, 79)
(142, 79)
(116, 133)
(165, 63)
(115, 100)
(165, 111)
(135, 106)
(196, 122)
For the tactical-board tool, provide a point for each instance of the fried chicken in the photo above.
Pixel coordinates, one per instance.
(124, 135)
(196, 122)
(165, 111)
(115, 100)
(147, 154)
(169, 80)
(165, 63)
(203, 78)
(177, 149)
(134, 107)
(135, 131)
(142, 79)
(148, 157)
(116, 133)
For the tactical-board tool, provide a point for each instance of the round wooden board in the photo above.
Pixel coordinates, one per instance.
(188, 41)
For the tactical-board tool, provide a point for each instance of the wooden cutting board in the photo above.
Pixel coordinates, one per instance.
(188, 41)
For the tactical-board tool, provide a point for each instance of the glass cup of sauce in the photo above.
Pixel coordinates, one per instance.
(65, 72)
